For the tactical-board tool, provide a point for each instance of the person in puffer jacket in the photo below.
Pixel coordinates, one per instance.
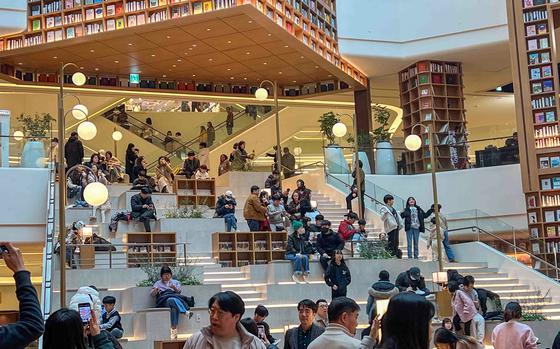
(87, 294)
(382, 289)
(346, 227)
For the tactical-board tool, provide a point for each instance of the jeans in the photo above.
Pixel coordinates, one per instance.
(299, 262)
(116, 332)
(412, 236)
(479, 327)
(231, 222)
(254, 225)
(351, 197)
(70, 256)
(174, 312)
(447, 246)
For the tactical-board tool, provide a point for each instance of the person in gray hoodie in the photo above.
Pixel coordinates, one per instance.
(392, 223)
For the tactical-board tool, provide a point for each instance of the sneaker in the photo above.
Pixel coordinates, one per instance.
(189, 314)
(295, 277)
(305, 278)
(173, 332)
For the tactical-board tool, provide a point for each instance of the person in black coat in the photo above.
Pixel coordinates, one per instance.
(412, 280)
(130, 161)
(413, 216)
(327, 242)
(30, 324)
(337, 275)
(73, 151)
(225, 208)
(190, 165)
(143, 207)
(298, 251)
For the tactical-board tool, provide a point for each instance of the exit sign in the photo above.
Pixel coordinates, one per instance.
(134, 78)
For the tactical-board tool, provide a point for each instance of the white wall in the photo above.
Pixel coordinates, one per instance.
(493, 190)
(24, 204)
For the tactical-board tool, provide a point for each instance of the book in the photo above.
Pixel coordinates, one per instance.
(153, 3)
(49, 22)
(536, 87)
(208, 6)
(543, 43)
(539, 117)
(551, 230)
(110, 24)
(197, 8)
(36, 25)
(422, 67)
(531, 200)
(436, 79)
(532, 45)
(428, 117)
(556, 180)
(70, 33)
(532, 217)
(120, 23)
(550, 116)
(423, 79)
(533, 58)
(131, 21)
(527, 3)
(544, 162)
(118, 9)
(549, 216)
(110, 10)
(545, 57)
(536, 250)
(541, 28)
(547, 86)
(162, 2)
(534, 233)
(546, 71)
(99, 12)
(531, 30)
(140, 19)
(424, 92)
(535, 73)
(90, 14)
(546, 184)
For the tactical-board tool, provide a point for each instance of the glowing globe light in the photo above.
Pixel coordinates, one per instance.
(96, 194)
(297, 151)
(339, 129)
(87, 130)
(261, 94)
(80, 111)
(18, 135)
(117, 136)
(79, 79)
(413, 142)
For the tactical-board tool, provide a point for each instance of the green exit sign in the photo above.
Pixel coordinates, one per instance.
(134, 78)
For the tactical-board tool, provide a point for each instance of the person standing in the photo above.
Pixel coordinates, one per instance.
(211, 133)
(444, 230)
(229, 121)
(322, 317)
(53, 152)
(288, 163)
(225, 331)
(337, 276)
(392, 223)
(130, 160)
(203, 135)
(354, 189)
(253, 211)
(512, 334)
(147, 130)
(203, 154)
(300, 337)
(413, 216)
(73, 151)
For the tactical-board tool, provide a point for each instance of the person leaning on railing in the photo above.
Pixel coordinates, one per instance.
(30, 325)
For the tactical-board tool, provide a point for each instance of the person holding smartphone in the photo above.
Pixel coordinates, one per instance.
(30, 325)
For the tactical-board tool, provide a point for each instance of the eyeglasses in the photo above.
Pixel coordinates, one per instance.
(324, 305)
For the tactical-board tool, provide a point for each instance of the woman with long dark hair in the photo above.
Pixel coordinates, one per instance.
(337, 276)
(512, 334)
(139, 165)
(413, 216)
(64, 330)
(445, 339)
(407, 322)
(130, 160)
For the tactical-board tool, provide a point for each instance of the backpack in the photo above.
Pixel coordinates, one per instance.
(453, 275)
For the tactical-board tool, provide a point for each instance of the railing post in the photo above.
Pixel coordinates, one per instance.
(110, 258)
(185, 253)
(515, 246)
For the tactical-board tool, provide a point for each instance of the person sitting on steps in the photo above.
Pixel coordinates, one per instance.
(143, 208)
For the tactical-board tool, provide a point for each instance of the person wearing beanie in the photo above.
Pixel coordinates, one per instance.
(298, 251)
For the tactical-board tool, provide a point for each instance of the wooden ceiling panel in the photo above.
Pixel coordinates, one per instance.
(210, 59)
(247, 53)
(264, 64)
(192, 49)
(168, 36)
(152, 56)
(176, 65)
(91, 50)
(130, 43)
(209, 29)
(260, 36)
(241, 23)
(234, 68)
(229, 42)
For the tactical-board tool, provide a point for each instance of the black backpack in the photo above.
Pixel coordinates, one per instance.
(453, 275)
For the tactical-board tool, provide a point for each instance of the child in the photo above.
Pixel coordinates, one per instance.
(111, 319)
(361, 233)
(337, 276)
(202, 173)
(463, 308)
(468, 288)
(447, 324)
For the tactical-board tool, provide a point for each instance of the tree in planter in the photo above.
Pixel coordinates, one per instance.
(185, 274)
(327, 121)
(381, 116)
(36, 126)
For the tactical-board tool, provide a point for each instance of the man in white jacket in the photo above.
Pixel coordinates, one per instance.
(392, 223)
(343, 320)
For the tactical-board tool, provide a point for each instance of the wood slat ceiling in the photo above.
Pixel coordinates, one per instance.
(233, 45)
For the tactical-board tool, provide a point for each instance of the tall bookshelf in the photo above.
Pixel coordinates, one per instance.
(534, 62)
(246, 248)
(314, 22)
(432, 94)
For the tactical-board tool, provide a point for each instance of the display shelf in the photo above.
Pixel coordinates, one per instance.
(431, 93)
(150, 253)
(195, 192)
(245, 248)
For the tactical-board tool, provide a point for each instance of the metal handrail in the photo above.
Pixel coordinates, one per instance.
(515, 248)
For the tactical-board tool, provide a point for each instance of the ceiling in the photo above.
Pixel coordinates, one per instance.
(235, 45)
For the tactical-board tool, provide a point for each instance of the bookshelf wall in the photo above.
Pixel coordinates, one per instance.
(313, 22)
(138, 254)
(531, 24)
(432, 94)
(240, 249)
(195, 192)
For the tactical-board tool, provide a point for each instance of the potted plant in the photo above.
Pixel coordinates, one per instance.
(35, 129)
(334, 158)
(384, 157)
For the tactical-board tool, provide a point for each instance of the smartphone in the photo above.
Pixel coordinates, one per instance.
(3, 249)
(261, 333)
(85, 312)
